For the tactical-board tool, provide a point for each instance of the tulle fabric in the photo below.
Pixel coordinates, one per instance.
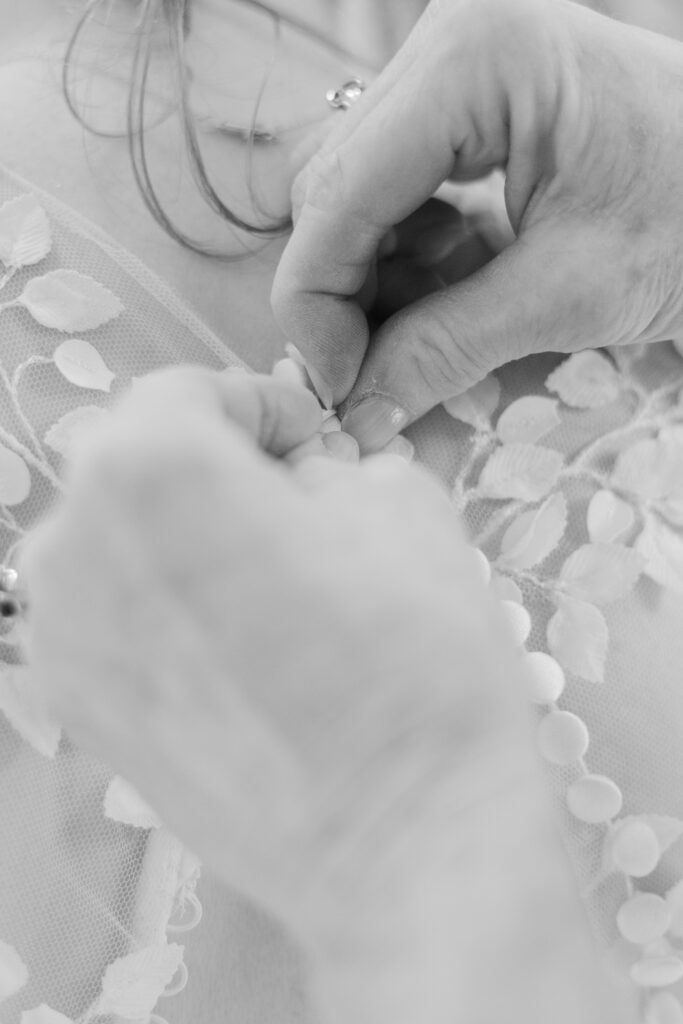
(81, 888)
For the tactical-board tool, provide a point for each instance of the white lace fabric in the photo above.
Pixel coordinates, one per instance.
(92, 887)
(79, 890)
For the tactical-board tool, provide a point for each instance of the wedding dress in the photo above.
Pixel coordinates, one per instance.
(569, 473)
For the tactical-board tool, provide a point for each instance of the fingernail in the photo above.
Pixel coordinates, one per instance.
(374, 421)
(401, 447)
(342, 446)
(322, 389)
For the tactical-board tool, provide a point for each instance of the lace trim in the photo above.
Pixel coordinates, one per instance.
(147, 279)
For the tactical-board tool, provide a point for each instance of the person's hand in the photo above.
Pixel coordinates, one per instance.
(586, 116)
(299, 667)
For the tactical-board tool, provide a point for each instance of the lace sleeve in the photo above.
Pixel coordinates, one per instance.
(94, 892)
(569, 473)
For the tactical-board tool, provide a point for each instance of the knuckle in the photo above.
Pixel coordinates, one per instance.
(444, 355)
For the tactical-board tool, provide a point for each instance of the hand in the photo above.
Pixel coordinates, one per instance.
(315, 694)
(585, 115)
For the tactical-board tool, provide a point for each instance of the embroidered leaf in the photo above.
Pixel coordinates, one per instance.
(68, 301)
(25, 707)
(578, 638)
(83, 365)
(13, 972)
(73, 428)
(637, 469)
(522, 471)
(609, 518)
(44, 1014)
(652, 469)
(15, 479)
(477, 405)
(600, 573)
(535, 534)
(662, 551)
(132, 985)
(528, 420)
(25, 236)
(586, 380)
(123, 803)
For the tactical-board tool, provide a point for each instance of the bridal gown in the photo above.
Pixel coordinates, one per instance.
(569, 474)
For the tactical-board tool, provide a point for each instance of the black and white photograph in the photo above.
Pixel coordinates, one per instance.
(341, 511)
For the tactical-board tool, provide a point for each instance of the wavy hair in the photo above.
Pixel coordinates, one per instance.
(175, 17)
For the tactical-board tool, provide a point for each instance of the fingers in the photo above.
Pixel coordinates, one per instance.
(541, 294)
(390, 156)
(411, 130)
(277, 415)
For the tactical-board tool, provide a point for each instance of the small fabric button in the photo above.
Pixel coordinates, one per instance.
(636, 850)
(644, 918)
(562, 737)
(594, 799)
(545, 678)
(518, 621)
(657, 971)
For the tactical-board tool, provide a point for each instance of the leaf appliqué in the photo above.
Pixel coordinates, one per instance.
(600, 573)
(534, 535)
(25, 236)
(13, 971)
(578, 638)
(610, 518)
(476, 405)
(662, 551)
(652, 469)
(123, 803)
(81, 364)
(586, 380)
(23, 704)
(528, 420)
(132, 984)
(68, 301)
(15, 478)
(44, 1014)
(523, 471)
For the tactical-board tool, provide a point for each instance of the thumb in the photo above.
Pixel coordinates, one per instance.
(539, 295)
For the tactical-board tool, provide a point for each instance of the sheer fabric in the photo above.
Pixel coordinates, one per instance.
(93, 889)
(79, 888)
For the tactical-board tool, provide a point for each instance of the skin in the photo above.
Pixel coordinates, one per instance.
(586, 117)
(382, 799)
(375, 886)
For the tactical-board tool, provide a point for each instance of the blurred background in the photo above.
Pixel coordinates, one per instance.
(372, 28)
